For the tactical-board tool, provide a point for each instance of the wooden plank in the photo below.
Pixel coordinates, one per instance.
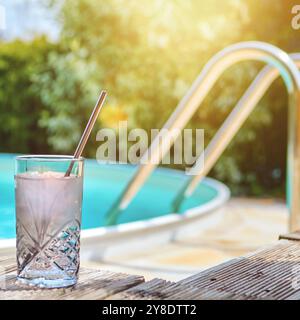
(266, 274)
(269, 273)
(150, 290)
(92, 284)
(7, 264)
(293, 236)
(158, 289)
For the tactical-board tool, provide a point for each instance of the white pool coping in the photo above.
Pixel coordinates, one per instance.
(103, 236)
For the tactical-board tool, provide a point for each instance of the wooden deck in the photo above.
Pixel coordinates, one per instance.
(269, 273)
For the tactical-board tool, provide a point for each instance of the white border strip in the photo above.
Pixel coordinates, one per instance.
(169, 221)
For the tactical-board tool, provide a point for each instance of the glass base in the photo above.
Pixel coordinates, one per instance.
(47, 283)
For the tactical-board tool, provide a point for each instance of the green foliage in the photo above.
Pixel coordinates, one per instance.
(147, 54)
(44, 97)
(20, 106)
(66, 100)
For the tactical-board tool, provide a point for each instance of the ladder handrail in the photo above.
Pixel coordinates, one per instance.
(187, 106)
(229, 128)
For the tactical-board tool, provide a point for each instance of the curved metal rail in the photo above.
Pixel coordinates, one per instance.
(228, 129)
(194, 97)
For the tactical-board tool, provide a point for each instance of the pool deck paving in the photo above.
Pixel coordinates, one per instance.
(246, 225)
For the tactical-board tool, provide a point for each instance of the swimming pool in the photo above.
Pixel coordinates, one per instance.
(103, 183)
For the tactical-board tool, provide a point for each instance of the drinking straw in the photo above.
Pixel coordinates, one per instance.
(87, 130)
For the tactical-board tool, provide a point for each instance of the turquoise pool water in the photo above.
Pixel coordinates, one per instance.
(103, 183)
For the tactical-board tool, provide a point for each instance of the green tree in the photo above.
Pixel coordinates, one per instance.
(66, 99)
(20, 105)
(146, 54)
(44, 97)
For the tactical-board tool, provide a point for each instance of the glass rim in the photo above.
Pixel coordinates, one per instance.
(48, 158)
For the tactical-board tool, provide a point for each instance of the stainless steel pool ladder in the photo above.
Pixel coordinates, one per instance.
(281, 63)
(228, 129)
